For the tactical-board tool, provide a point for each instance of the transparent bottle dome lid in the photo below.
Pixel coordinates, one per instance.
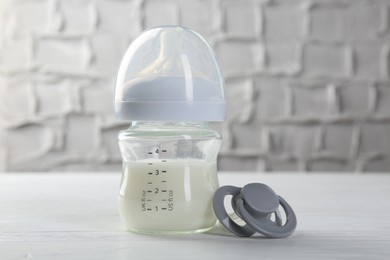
(169, 74)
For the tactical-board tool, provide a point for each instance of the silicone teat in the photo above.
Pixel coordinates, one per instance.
(168, 60)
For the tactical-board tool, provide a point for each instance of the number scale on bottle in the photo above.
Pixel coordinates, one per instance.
(157, 197)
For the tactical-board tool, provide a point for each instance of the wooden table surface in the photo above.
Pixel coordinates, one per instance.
(75, 216)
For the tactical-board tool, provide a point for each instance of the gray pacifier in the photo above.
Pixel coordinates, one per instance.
(255, 204)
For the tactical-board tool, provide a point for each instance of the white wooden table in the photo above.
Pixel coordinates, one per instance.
(74, 216)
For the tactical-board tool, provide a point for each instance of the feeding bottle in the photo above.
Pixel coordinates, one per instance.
(170, 87)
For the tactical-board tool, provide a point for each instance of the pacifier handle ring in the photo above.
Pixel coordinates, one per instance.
(265, 226)
(222, 215)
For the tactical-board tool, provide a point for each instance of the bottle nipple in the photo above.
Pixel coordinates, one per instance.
(168, 61)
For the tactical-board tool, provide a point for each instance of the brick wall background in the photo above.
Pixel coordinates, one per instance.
(307, 81)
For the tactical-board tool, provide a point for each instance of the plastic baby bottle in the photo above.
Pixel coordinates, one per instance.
(169, 86)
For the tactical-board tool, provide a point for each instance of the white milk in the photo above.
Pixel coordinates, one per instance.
(168, 196)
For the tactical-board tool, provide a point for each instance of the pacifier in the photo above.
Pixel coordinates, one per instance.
(258, 206)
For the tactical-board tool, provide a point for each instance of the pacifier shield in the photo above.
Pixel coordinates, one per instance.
(223, 216)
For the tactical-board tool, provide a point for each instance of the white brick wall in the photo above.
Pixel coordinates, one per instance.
(307, 81)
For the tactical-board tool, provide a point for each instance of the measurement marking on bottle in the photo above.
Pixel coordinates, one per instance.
(164, 200)
(149, 209)
(149, 182)
(164, 160)
(164, 208)
(150, 163)
(164, 171)
(149, 191)
(150, 173)
(164, 190)
(150, 153)
(164, 181)
(164, 151)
